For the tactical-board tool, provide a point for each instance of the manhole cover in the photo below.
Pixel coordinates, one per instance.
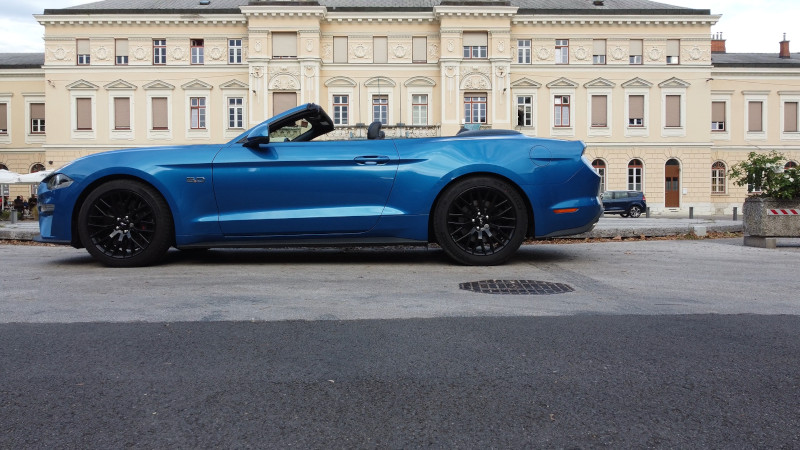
(516, 287)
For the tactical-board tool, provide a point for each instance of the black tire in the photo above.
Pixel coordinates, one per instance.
(634, 211)
(125, 223)
(623, 214)
(480, 221)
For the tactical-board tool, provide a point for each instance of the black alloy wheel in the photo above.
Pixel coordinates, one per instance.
(480, 221)
(125, 223)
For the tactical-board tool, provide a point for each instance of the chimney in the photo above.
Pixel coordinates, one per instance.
(785, 48)
(717, 43)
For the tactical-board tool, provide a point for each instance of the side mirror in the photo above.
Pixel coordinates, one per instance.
(259, 135)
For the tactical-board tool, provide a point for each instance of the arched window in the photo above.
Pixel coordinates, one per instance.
(600, 167)
(790, 165)
(718, 171)
(38, 167)
(635, 171)
(3, 167)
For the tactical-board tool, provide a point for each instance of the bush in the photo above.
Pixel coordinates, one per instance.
(766, 171)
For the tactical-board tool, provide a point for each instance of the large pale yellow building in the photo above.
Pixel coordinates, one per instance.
(659, 103)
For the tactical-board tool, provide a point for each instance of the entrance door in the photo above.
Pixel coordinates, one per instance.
(672, 195)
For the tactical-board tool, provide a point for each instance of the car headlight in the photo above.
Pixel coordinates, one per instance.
(58, 181)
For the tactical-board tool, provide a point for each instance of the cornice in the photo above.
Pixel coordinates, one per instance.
(379, 17)
(284, 11)
(475, 11)
(152, 19)
(614, 20)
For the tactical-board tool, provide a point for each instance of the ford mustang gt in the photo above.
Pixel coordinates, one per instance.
(478, 194)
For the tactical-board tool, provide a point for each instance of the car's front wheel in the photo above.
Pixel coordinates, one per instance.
(634, 211)
(480, 221)
(125, 223)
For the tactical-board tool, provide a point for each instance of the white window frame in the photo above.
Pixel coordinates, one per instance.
(644, 130)
(724, 178)
(157, 135)
(197, 58)
(725, 97)
(237, 57)
(160, 47)
(113, 133)
(786, 97)
(6, 99)
(410, 99)
(464, 96)
(632, 187)
(515, 117)
(561, 57)
(562, 131)
(756, 96)
(74, 95)
(227, 94)
(372, 91)
(524, 45)
(372, 108)
(525, 91)
(34, 138)
(679, 131)
(599, 131)
(348, 107)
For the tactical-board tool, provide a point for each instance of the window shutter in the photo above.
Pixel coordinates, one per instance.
(636, 47)
(284, 45)
(599, 109)
(380, 52)
(282, 101)
(340, 49)
(122, 113)
(83, 46)
(636, 107)
(599, 47)
(789, 117)
(37, 110)
(4, 116)
(160, 118)
(476, 39)
(673, 47)
(84, 113)
(673, 110)
(122, 47)
(754, 110)
(718, 111)
(419, 49)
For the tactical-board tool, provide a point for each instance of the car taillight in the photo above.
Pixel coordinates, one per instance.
(644, 199)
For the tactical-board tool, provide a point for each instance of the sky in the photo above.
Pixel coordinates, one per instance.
(748, 26)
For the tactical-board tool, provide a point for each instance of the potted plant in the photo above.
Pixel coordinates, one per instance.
(773, 208)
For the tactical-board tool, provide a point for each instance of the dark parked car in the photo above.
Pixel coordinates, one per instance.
(624, 203)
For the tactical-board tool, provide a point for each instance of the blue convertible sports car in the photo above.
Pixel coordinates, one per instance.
(478, 194)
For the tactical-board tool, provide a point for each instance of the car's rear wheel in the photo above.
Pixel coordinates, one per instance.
(125, 223)
(634, 211)
(623, 214)
(480, 221)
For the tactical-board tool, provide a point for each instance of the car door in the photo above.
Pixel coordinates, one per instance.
(611, 201)
(303, 188)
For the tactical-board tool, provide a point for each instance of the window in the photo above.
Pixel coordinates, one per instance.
(673, 110)
(83, 52)
(475, 45)
(284, 45)
(341, 109)
(475, 108)
(198, 113)
(419, 109)
(419, 49)
(159, 52)
(599, 111)
(789, 165)
(121, 46)
(754, 116)
(561, 112)
(234, 51)
(198, 53)
(380, 109)
(235, 112)
(790, 117)
(599, 51)
(340, 49)
(636, 50)
(283, 101)
(562, 51)
(718, 171)
(380, 50)
(84, 113)
(600, 167)
(524, 111)
(122, 113)
(524, 51)
(160, 113)
(636, 111)
(37, 118)
(673, 51)
(635, 168)
(3, 118)
(718, 116)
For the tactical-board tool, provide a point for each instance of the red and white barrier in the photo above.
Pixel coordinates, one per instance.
(784, 212)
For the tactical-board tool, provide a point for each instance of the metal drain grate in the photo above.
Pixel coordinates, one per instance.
(516, 287)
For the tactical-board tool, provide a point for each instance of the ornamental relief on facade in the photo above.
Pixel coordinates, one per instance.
(580, 53)
(475, 81)
(102, 53)
(360, 51)
(468, 70)
(284, 82)
(283, 70)
(501, 46)
(400, 51)
(327, 52)
(61, 54)
(179, 54)
(654, 54)
(697, 54)
(543, 53)
(433, 50)
(451, 46)
(140, 53)
(309, 45)
(619, 53)
(215, 53)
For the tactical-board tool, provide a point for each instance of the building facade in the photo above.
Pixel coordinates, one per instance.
(661, 107)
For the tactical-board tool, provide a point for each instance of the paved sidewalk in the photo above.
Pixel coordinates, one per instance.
(608, 227)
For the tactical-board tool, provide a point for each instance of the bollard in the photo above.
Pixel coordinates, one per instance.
(13, 216)
(735, 213)
(647, 212)
(691, 212)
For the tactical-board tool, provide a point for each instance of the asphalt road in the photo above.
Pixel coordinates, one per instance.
(661, 344)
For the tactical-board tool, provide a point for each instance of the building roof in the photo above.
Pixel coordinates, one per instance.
(232, 6)
(21, 60)
(767, 60)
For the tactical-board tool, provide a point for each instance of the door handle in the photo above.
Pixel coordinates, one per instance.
(371, 160)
